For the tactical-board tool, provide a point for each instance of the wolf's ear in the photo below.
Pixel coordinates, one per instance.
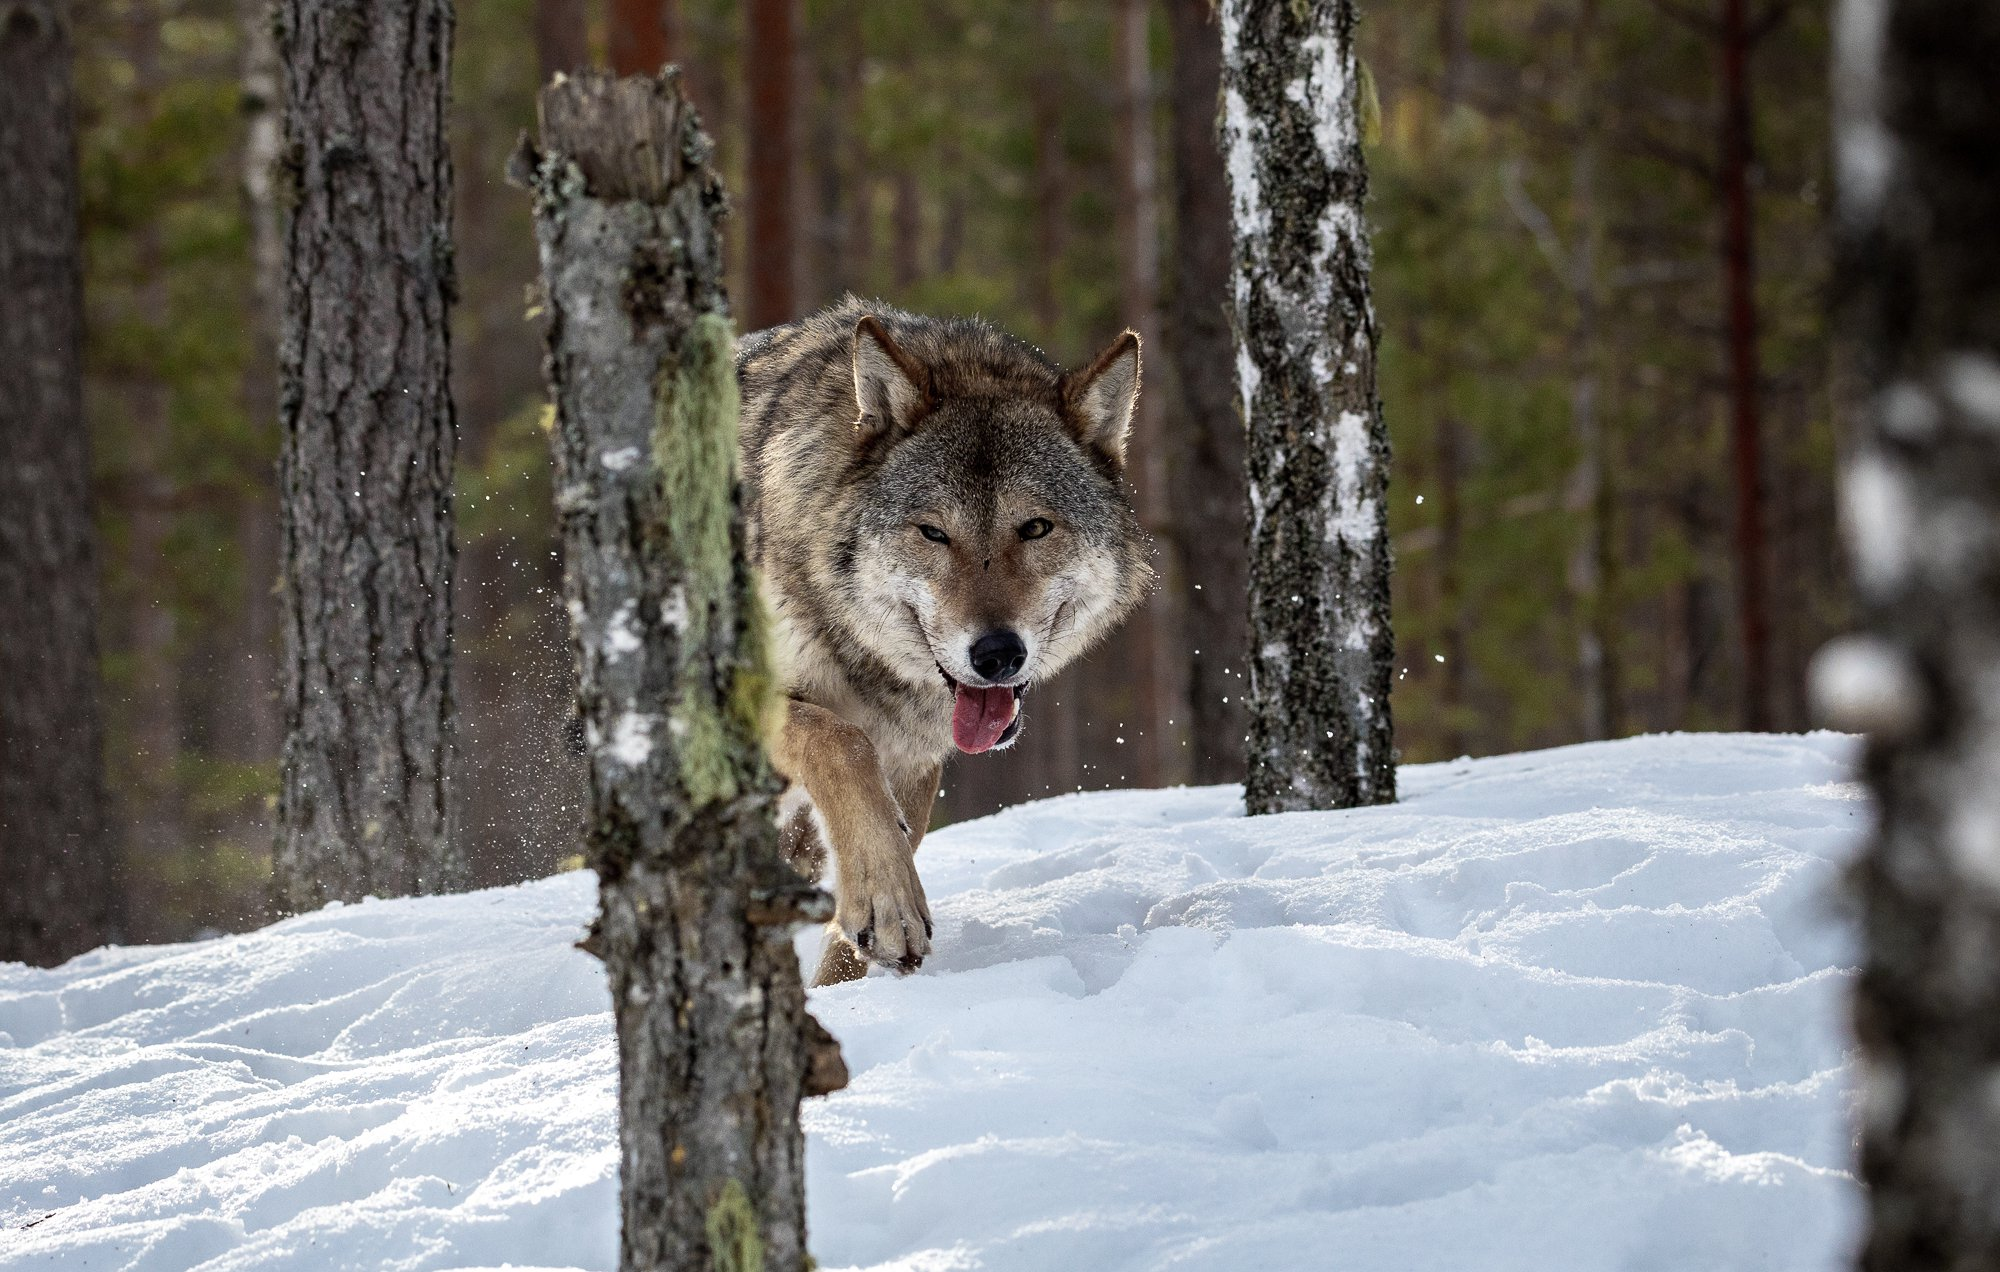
(1101, 397)
(890, 389)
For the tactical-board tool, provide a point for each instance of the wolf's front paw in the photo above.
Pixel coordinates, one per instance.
(883, 911)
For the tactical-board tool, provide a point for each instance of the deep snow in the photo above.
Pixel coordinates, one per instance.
(1577, 1009)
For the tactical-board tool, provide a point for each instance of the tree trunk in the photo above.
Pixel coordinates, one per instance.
(1591, 566)
(257, 531)
(1050, 178)
(153, 797)
(672, 684)
(368, 447)
(1448, 443)
(54, 843)
(562, 35)
(1918, 142)
(1321, 648)
(1205, 468)
(1753, 615)
(1152, 635)
(773, 159)
(640, 36)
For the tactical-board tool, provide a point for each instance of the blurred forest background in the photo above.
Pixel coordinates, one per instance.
(1574, 346)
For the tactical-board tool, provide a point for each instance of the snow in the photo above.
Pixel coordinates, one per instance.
(631, 739)
(1576, 1009)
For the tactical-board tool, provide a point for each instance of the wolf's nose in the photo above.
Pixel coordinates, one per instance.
(998, 655)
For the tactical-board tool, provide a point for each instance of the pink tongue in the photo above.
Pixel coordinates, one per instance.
(979, 717)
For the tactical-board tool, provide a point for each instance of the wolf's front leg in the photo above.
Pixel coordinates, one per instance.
(879, 902)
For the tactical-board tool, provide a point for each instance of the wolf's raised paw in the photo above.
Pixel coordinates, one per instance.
(886, 916)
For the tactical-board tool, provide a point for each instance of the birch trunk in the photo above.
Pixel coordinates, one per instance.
(1320, 645)
(369, 441)
(673, 687)
(1918, 145)
(55, 849)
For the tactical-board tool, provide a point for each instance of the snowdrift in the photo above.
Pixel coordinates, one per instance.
(1578, 1009)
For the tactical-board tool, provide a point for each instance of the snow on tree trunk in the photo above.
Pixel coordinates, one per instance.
(369, 440)
(54, 850)
(1320, 645)
(673, 686)
(1918, 147)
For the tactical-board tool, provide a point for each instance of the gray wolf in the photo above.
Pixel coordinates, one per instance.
(939, 519)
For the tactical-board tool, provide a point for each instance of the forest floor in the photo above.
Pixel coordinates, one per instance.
(1577, 1009)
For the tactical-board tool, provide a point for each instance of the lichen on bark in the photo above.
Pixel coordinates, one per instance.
(672, 681)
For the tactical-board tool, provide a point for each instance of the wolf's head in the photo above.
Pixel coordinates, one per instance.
(994, 540)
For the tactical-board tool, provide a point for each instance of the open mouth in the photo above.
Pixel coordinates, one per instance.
(983, 718)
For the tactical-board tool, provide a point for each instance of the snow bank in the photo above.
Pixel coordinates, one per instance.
(1577, 1009)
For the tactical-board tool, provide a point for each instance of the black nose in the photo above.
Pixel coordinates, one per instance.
(998, 655)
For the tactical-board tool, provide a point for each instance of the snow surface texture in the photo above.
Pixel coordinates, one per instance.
(1577, 1009)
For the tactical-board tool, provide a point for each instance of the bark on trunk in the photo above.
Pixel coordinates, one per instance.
(257, 528)
(1153, 635)
(1918, 143)
(672, 683)
(153, 797)
(1050, 177)
(1205, 468)
(1448, 451)
(773, 158)
(640, 36)
(368, 447)
(1320, 644)
(562, 36)
(55, 849)
(1753, 615)
(1591, 564)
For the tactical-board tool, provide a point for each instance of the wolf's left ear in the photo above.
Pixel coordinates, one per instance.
(890, 388)
(1101, 397)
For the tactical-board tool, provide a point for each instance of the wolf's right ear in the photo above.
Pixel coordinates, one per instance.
(890, 389)
(1102, 396)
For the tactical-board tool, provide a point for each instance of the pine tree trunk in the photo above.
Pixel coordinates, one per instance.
(257, 528)
(638, 37)
(672, 683)
(55, 847)
(153, 797)
(1205, 468)
(1590, 489)
(1151, 640)
(562, 35)
(1448, 443)
(1753, 614)
(1918, 143)
(1320, 644)
(771, 200)
(369, 441)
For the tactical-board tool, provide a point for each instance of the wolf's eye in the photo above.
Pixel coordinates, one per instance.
(934, 534)
(1037, 528)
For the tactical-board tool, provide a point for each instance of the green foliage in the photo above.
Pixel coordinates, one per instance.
(921, 127)
(1481, 328)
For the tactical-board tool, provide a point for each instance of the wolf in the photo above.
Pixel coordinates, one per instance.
(939, 519)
